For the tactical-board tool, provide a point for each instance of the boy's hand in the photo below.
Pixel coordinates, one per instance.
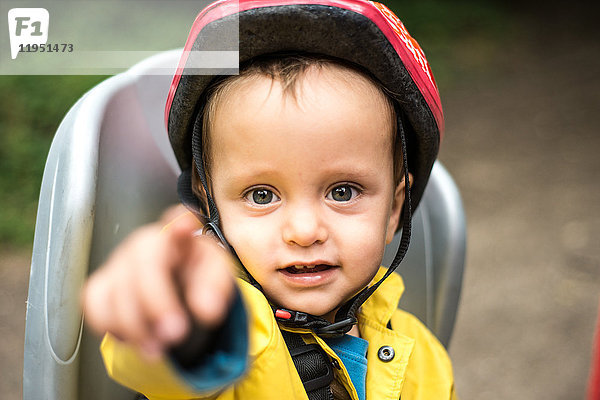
(141, 293)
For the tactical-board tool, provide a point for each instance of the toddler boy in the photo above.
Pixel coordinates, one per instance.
(298, 165)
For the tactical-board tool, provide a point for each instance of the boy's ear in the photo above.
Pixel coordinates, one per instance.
(397, 203)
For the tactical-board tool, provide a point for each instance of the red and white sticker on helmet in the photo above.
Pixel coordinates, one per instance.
(411, 44)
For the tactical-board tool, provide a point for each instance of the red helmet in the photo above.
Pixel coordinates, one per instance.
(361, 32)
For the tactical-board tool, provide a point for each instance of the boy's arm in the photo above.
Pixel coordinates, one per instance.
(223, 360)
(267, 360)
(141, 294)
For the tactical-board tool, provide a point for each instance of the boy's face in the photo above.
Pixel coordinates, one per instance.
(305, 185)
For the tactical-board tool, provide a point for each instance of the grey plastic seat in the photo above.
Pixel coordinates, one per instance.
(110, 169)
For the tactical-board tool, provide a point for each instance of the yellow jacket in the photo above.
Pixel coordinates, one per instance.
(420, 369)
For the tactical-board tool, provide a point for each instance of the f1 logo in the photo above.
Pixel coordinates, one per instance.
(27, 26)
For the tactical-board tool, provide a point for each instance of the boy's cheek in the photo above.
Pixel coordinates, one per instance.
(248, 236)
(363, 228)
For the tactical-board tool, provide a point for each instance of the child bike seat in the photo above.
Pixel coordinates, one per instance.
(111, 169)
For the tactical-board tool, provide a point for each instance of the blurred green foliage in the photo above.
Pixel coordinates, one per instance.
(31, 107)
(459, 37)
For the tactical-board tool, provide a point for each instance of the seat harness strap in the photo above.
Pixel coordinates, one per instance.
(313, 366)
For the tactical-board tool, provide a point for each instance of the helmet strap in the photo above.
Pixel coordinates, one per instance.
(198, 151)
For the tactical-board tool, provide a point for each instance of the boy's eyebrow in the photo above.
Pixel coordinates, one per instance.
(352, 172)
(334, 173)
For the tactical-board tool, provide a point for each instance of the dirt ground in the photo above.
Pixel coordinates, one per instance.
(522, 145)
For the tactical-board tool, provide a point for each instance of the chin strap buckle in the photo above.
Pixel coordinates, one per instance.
(291, 317)
(297, 319)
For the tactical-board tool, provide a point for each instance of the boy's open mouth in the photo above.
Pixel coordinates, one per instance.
(307, 269)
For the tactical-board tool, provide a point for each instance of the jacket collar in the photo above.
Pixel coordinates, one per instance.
(385, 378)
(380, 306)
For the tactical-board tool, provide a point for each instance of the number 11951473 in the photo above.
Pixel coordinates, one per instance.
(47, 48)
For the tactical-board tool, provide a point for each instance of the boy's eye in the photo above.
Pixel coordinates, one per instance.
(261, 196)
(342, 193)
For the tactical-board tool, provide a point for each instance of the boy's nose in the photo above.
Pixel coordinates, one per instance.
(304, 227)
